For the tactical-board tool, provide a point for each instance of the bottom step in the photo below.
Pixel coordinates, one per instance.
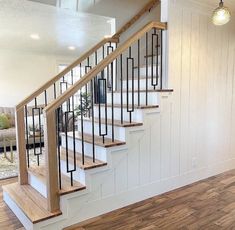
(31, 202)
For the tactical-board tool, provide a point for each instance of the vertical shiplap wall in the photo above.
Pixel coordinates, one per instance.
(201, 72)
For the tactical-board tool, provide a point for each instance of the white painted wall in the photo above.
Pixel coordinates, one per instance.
(201, 72)
(22, 72)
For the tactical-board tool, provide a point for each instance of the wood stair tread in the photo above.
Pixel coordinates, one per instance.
(150, 55)
(135, 106)
(98, 140)
(88, 164)
(30, 201)
(117, 123)
(66, 188)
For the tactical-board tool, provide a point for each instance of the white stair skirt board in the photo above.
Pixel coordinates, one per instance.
(135, 171)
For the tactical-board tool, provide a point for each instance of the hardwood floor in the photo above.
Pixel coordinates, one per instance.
(205, 205)
(8, 220)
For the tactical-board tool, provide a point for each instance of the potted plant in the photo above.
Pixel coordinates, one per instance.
(84, 106)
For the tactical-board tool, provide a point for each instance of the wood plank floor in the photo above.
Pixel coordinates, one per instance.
(8, 220)
(205, 205)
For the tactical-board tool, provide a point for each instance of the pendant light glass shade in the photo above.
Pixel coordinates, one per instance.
(221, 15)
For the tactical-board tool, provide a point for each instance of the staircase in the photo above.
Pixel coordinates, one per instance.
(88, 128)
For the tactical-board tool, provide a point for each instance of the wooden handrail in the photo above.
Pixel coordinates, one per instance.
(144, 10)
(64, 72)
(97, 69)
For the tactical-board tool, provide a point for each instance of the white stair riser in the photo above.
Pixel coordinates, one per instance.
(78, 175)
(37, 184)
(143, 71)
(119, 132)
(153, 98)
(154, 59)
(137, 115)
(142, 83)
(100, 152)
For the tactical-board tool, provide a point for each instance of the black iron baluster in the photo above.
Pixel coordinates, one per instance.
(121, 75)
(152, 58)
(138, 72)
(45, 97)
(54, 91)
(82, 134)
(146, 60)
(116, 71)
(161, 48)
(112, 102)
(132, 83)
(27, 134)
(109, 48)
(67, 147)
(157, 57)
(103, 51)
(80, 68)
(72, 82)
(102, 95)
(92, 120)
(96, 81)
(58, 123)
(63, 82)
(40, 131)
(87, 69)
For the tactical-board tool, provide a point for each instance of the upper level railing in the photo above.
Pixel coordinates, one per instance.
(62, 94)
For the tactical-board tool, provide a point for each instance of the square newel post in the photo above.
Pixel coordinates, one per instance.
(21, 145)
(53, 199)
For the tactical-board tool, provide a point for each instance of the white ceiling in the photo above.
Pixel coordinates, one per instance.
(57, 28)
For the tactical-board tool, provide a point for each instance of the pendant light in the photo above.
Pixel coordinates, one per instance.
(221, 15)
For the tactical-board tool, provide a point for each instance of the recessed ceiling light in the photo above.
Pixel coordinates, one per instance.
(71, 47)
(35, 36)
